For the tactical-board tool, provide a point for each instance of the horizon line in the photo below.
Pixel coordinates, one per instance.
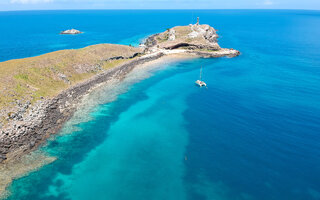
(79, 9)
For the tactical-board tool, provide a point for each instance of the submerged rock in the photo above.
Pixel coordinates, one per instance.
(71, 32)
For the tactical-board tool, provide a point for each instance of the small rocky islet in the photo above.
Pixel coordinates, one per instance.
(70, 32)
(41, 93)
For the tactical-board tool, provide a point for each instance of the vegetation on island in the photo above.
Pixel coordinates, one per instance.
(24, 81)
(194, 37)
(29, 79)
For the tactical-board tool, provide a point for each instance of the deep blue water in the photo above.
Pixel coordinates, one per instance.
(252, 134)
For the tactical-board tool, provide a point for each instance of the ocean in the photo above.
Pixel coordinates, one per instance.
(253, 134)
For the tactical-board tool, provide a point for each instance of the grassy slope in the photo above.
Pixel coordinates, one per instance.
(47, 75)
(181, 36)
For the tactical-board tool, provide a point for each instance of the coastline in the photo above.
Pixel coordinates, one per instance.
(251, 134)
(21, 164)
(20, 138)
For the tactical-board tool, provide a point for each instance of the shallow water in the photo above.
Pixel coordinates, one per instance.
(252, 134)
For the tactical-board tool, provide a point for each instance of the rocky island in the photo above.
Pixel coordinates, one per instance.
(39, 94)
(71, 32)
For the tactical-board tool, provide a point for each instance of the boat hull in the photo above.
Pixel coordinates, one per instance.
(200, 83)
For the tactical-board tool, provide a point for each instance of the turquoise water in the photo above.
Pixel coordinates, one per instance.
(252, 134)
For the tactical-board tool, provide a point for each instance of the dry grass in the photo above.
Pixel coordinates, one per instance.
(47, 75)
(182, 31)
(113, 63)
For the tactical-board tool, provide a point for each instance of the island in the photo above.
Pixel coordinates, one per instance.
(39, 94)
(71, 32)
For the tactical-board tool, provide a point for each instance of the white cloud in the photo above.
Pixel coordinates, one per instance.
(268, 3)
(30, 1)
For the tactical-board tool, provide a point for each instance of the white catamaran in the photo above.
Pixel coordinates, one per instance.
(199, 82)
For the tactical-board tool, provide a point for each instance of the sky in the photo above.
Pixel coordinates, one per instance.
(7, 5)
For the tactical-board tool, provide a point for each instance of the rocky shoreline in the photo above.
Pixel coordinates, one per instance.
(47, 116)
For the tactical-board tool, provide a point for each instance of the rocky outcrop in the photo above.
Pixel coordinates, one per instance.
(200, 40)
(190, 37)
(123, 57)
(172, 35)
(205, 31)
(71, 32)
(151, 41)
(210, 34)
